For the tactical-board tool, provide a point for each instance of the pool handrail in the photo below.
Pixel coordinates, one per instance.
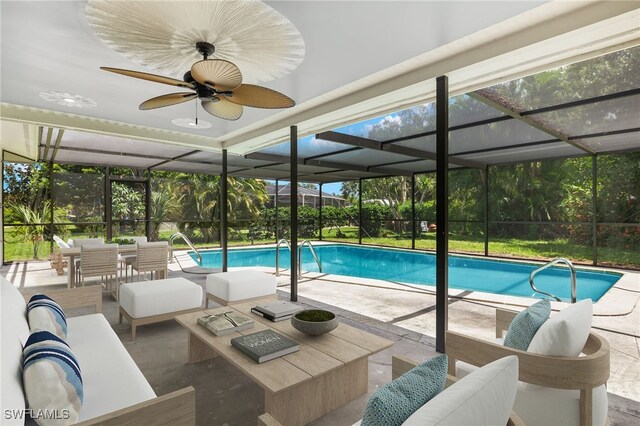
(283, 240)
(549, 264)
(313, 252)
(186, 240)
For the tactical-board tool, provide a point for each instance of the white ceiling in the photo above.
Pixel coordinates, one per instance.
(47, 45)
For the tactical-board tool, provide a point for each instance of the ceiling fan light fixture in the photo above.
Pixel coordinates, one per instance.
(68, 99)
(190, 123)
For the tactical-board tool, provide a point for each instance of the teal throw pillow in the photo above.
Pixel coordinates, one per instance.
(396, 401)
(525, 325)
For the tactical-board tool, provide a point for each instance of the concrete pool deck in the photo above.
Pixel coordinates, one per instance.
(402, 313)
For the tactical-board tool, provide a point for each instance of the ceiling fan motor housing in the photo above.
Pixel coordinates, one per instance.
(203, 91)
(205, 49)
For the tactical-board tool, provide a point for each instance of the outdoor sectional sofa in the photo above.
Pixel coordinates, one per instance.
(115, 391)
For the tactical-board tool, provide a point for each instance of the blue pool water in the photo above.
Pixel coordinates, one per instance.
(465, 273)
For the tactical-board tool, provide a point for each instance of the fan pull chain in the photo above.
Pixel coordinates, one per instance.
(196, 111)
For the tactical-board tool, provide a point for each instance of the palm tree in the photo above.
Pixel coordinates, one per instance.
(165, 204)
(34, 221)
(245, 197)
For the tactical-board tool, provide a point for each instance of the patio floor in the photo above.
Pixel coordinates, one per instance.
(405, 315)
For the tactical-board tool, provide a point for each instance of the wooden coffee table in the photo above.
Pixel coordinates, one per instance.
(328, 371)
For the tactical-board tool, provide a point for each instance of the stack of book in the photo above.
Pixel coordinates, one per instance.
(265, 345)
(225, 323)
(277, 311)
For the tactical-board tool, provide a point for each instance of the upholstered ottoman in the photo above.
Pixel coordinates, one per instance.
(146, 302)
(239, 286)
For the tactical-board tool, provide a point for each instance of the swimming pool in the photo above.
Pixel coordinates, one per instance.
(465, 273)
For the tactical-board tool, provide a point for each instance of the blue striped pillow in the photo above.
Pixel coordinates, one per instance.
(45, 314)
(52, 378)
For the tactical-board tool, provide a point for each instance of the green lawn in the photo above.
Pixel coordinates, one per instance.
(15, 248)
(508, 247)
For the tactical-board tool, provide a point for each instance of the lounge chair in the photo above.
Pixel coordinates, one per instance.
(552, 390)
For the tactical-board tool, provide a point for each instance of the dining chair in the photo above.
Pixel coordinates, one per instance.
(82, 242)
(127, 260)
(151, 257)
(100, 261)
(79, 242)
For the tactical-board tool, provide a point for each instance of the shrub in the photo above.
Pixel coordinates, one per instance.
(424, 212)
(373, 218)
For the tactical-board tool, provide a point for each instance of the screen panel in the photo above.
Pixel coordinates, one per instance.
(619, 142)
(493, 135)
(611, 73)
(537, 152)
(607, 116)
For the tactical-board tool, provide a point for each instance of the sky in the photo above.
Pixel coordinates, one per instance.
(310, 146)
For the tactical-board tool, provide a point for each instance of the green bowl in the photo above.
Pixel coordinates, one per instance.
(314, 322)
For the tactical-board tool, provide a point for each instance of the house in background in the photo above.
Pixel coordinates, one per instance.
(306, 197)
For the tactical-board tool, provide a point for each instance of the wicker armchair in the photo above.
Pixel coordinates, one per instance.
(399, 366)
(584, 374)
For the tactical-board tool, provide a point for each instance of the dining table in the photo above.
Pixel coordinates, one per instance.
(72, 252)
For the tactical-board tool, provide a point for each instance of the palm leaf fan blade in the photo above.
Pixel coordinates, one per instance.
(149, 77)
(167, 100)
(223, 109)
(218, 74)
(260, 97)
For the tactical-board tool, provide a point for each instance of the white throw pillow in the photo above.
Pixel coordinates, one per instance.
(484, 397)
(565, 333)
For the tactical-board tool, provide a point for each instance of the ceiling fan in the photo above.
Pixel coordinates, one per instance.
(218, 85)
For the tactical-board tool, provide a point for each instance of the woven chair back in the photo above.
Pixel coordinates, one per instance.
(80, 242)
(152, 256)
(97, 261)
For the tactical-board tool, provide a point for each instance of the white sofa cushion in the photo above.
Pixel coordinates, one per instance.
(14, 332)
(111, 378)
(147, 298)
(551, 407)
(565, 333)
(240, 285)
(538, 405)
(484, 397)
